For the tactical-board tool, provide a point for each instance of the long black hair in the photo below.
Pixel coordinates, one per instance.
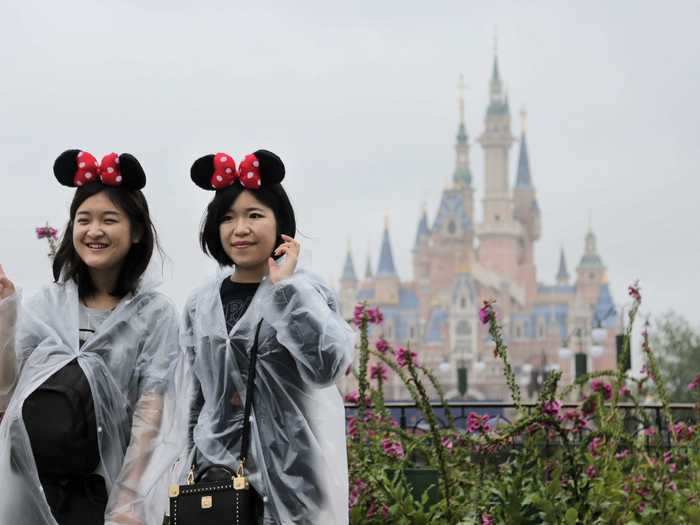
(273, 196)
(67, 264)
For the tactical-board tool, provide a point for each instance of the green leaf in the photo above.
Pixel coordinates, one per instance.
(571, 516)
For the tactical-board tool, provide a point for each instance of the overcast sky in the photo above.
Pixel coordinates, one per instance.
(359, 99)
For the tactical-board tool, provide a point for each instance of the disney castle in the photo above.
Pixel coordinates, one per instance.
(460, 260)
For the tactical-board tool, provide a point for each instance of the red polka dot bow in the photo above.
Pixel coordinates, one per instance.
(75, 167)
(225, 172)
(257, 170)
(89, 170)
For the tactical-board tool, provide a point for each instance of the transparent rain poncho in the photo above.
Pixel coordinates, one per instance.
(297, 459)
(126, 364)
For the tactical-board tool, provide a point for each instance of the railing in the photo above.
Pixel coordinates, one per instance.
(409, 417)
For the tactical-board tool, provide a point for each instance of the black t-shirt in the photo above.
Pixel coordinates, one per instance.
(236, 297)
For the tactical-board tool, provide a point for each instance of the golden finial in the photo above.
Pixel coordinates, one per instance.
(523, 118)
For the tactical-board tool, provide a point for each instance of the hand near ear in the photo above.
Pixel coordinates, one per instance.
(290, 248)
(7, 287)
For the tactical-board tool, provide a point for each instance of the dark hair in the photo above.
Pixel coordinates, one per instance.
(133, 203)
(273, 196)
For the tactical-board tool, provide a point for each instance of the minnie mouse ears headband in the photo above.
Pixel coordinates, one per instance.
(216, 172)
(75, 168)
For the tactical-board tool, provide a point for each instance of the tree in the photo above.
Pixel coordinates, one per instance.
(677, 345)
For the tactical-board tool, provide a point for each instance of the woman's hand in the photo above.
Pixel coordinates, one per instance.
(7, 288)
(290, 248)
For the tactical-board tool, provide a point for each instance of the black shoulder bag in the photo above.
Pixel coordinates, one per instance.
(230, 501)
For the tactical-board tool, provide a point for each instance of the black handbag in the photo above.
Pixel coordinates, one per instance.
(229, 501)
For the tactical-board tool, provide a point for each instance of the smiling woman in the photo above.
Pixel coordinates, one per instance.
(83, 364)
(266, 340)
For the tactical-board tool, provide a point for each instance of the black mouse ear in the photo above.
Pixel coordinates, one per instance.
(65, 166)
(201, 172)
(133, 176)
(271, 167)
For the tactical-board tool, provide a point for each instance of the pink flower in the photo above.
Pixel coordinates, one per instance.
(603, 388)
(683, 431)
(622, 455)
(352, 397)
(486, 519)
(633, 292)
(382, 346)
(595, 444)
(358, 315)
(374, 316)
(46, 232)
(404, 356)
(624, 391)
(392, 448)
(379, 372)
(486, 313)
(552, 408)
(447, 443)
(649, 431)
(476, 423)
(358, 487)
(694, 383)
(591, 471)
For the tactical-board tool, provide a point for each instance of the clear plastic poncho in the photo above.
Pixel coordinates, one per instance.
(127, 367)
(297, 460)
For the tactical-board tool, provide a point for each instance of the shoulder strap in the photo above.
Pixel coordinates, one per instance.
(245, 438)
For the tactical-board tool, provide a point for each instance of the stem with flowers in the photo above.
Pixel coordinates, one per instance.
(51, 235)
(487, 314)
(658, 381)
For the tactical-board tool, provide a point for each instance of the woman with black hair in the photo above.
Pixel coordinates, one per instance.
(84, 363)
(296, 461)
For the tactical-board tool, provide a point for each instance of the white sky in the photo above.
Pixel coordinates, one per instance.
(359, 100)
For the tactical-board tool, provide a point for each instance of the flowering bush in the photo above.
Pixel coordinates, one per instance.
(557, 462)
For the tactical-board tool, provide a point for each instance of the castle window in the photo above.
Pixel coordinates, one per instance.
(497, 218)
(591, 276)
(462, 303)
(412, 332)
(518, 331)
(451, 228)
(463, 328)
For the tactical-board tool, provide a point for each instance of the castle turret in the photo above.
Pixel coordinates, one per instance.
(591, 273)
(499, 233)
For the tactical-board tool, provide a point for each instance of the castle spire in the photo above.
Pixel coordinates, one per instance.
(349, 274)
(423, 229)
(386, 266)
(523, 178)
(563, 273)
(462, 175)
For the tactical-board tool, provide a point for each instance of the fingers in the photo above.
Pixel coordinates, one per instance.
(2, 272)
(290, 247)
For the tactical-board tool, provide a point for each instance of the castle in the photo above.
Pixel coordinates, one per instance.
(458, 262)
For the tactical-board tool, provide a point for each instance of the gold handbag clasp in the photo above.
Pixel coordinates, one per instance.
(240, 482)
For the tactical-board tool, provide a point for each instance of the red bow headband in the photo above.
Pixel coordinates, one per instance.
(216, 172)
(75, 168)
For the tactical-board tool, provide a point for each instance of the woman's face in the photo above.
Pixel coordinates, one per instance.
(101, 233)
(248, 232)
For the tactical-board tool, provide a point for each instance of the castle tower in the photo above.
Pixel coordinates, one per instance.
(387, 284)
(348, 286)
(527, 213)
(499, 234)
(591, 273)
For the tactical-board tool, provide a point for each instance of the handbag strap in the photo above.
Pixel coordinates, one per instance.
(245, 438)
